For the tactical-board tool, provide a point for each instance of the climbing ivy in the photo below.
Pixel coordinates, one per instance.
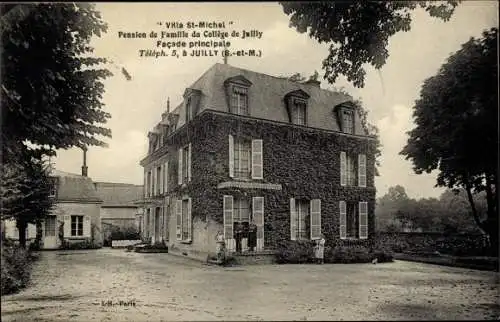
(305, 161)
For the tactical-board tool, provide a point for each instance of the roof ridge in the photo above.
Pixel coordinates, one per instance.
(280, 78)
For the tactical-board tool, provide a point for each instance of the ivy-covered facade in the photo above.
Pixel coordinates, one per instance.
(245, 150)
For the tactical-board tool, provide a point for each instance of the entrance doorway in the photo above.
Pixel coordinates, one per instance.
(50, 236)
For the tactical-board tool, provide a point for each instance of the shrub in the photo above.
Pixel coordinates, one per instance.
(350, 254)
(86, 244)
(16, 268)
(295, 252)
(128, 233)
(383, 256)
(355, 254)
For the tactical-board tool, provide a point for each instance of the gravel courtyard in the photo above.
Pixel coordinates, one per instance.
(81, 285)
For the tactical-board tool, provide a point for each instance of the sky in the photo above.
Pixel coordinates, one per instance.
(136, 105)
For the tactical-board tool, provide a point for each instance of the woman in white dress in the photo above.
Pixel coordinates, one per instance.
(319, 250)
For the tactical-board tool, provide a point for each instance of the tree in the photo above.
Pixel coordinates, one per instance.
(358, 32)
(391, 207)
(51, 96)
(456, 120)
(51, 85)
(25, 191)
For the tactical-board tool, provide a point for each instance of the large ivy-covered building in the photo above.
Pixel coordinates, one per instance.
(244, 147)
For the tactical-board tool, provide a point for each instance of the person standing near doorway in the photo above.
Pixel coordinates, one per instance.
(238, 234)
(252, 236)
(220, 247)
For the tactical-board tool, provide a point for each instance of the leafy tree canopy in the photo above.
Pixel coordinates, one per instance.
(51, 84)
(358, 31)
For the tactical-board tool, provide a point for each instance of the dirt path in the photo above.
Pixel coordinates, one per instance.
(89, 285)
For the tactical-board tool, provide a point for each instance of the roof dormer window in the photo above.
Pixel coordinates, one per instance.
(348, 121)
(345, 115)
(191, 103)
(239, 101)
(237, 89)
(296, 103)
(188, 109)
(299, 112)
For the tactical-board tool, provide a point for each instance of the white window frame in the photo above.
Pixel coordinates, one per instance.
(184, 218)
(182, 177)
(362, 170)
(77, 230)
(296, 218)
(256, 161)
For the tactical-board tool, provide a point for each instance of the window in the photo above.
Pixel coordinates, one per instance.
(188, 109)
(353, 220)
(302, 219)
(238, 210)
(245, 158)
(50, 226)
(241, 210)
(305, 219)
(352, 223)
(352, 169)
(158, 180)
(239, 101)
(76, 225)
(242, 161)
(165, 179)
(348, 121)
(299, 112)
(153, 182)
(184, 170)
(148, 185)
(184, 219)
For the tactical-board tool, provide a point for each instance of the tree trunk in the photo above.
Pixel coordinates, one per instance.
(492, 220)
(21, 227)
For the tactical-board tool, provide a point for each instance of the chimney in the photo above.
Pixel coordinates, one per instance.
(84, 167)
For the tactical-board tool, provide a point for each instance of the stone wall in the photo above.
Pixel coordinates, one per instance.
(452, 244)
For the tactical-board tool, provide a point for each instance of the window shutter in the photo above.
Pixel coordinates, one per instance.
(178, 211)
(162, 176)
(165, 179)
(363, 220)
(257, 170)
(316, 219)
(231, 156)
(150, 176)
(155, 179)
(145, 184)
(179, 168)
(67, 226)
(258, 217)
(189, 163)
(228, 221)
(189, 220)
(343, 219)
(293, 220)
(362, 170)
(343, 168)
(86, 226)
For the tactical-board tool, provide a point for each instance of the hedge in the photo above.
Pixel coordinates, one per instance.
(302, 251)
(16, 268)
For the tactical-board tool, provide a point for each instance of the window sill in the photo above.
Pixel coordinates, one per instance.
(77, 237)
(186, 241)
